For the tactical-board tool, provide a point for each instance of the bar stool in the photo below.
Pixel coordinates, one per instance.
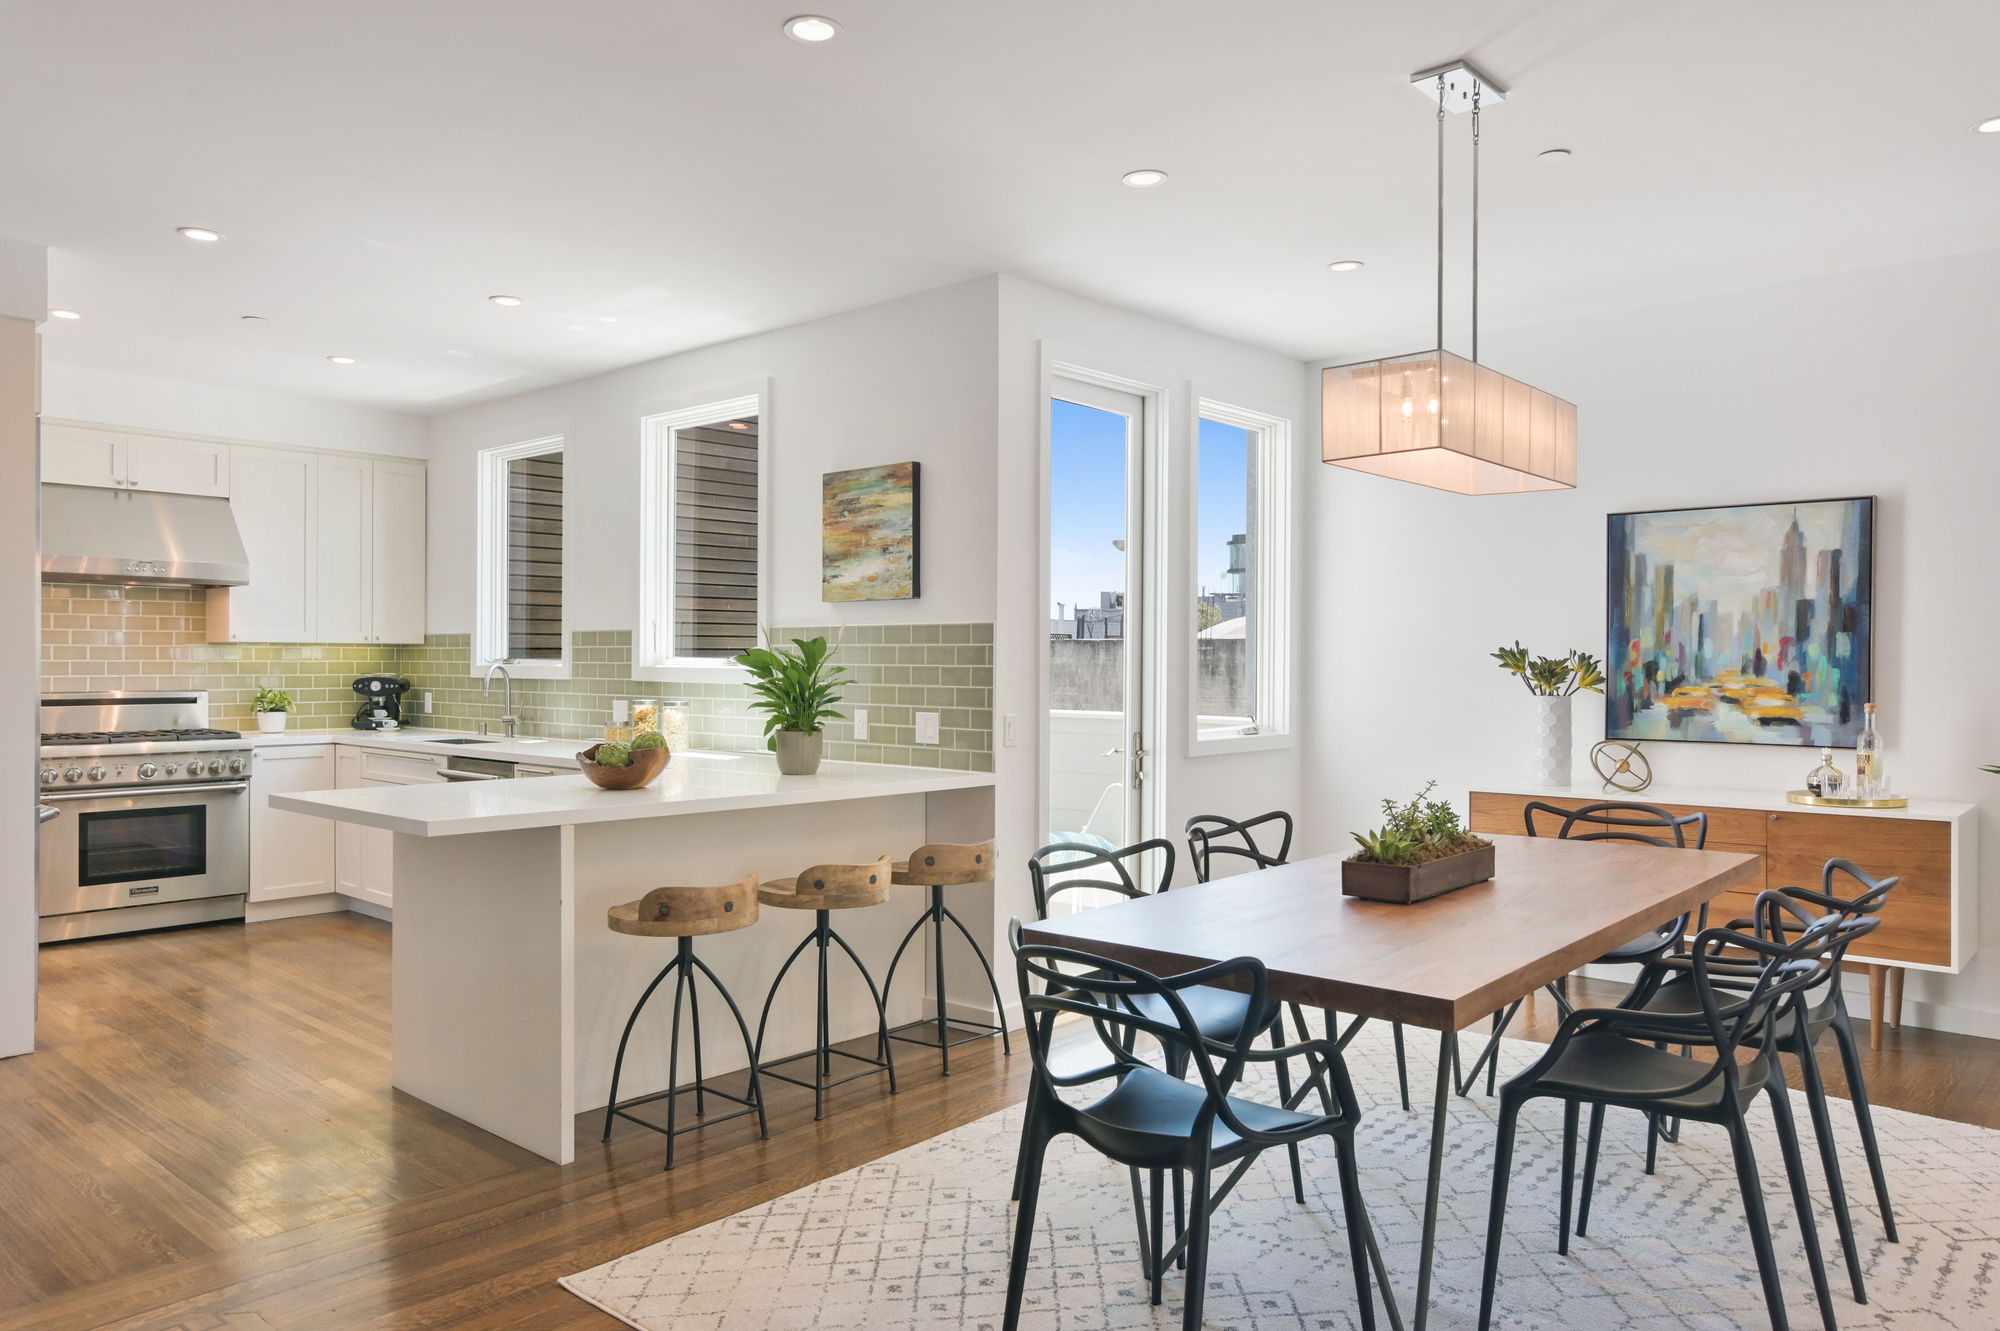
(686, 913)
(823, 889)
(938, 867)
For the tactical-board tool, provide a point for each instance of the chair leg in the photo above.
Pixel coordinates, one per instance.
(743, 1029)
(1158, 1213)
(694, 1029)
(618, 1065)
(1795, 1174)
(1402, 1064)
(889, 976)
(1035, 1148)
(1496, 1214)
(1829, 1159)
(1493, 1063)
(1285, 1098)
(1180, 1218)
(1857, 1092)
(764, 1019)
(1570, 1108)
(1590, 1169)
(681, 985)
(1356, 1216)
(1752, 1187)
(1652, 1142)
(1138, 1212)
(1197, 1248)
(999, 1004)
(881, 1011)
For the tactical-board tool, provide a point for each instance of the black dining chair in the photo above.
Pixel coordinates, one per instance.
(1612, 1057)
(1818, 1008)
(1151, 1120)
(1211, 836)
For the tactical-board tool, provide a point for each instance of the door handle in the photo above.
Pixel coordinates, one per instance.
(221, 788)
(46, 813)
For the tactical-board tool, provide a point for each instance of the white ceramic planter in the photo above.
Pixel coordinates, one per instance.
(270, 721)
(798, 752)
(1552, 741)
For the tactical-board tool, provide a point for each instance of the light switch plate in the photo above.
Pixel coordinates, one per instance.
(427, 702)
(621, 711)
(927, 727)
(861, 723)
(1009, 731)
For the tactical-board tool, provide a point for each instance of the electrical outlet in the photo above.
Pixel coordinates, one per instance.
(861, 723)
(927, 727)
(621, 711)
(427, 702)
(1009, 730)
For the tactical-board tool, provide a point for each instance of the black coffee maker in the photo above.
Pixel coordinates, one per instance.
(381, 702)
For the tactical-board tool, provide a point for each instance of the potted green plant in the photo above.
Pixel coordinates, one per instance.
(1421, 850)
(1553, 680)
(272, 707)
(795, 687)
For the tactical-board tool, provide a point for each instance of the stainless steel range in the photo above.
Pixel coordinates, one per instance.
(156, 805)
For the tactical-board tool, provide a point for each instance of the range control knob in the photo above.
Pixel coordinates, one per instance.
(171, 768)
(236, 766)
(147, 771)
(215, 767)
(50, 776)
(72, 774)
(96, 774)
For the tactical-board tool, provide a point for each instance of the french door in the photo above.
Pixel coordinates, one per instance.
(1101, 570)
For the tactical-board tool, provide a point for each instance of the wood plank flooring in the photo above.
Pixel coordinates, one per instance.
(206, 1138)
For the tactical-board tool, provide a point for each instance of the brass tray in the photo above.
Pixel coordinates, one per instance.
(1843, 802)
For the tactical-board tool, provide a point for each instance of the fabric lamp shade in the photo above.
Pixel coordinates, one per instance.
(1437, 419)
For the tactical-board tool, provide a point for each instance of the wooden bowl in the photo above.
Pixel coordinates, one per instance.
(646, 764)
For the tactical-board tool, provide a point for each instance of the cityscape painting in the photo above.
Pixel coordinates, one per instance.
(1751, 624)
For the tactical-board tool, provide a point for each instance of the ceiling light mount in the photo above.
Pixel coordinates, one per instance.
(509, 301)
(1144, 178)
(206, 235)
(1990, 125)
(1454, 85)
(812, 29)
(341, 360)
(64, 314)
(1344, 265)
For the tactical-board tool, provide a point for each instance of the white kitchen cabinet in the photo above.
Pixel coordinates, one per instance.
(348, 838)
(343, 511)
(396, 551)
(526, 769)
(274, 495)
(78, 454)
(291, 855)
(366, 867)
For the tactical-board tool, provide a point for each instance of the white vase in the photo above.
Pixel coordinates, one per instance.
(1552, 741)
(271, 720)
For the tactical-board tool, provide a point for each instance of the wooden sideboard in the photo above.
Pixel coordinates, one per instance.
(1932, 920)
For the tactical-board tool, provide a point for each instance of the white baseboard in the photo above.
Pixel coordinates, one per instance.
(290, 908)
(368, 908)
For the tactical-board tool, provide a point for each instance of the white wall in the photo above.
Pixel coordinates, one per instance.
(1872, 383)
(909, 378)
(72, 392)
(1036, 324)
(23, 297)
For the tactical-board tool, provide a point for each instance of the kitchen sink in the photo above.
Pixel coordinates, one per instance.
(467, 739)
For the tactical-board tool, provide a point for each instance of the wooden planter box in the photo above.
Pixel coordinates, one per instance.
(1403, 884)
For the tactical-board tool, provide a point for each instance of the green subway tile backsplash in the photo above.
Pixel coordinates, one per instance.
(139, 638)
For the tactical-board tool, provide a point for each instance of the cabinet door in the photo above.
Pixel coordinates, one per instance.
(348, 838)
(272, 493)
(525, 770)
(81, 455)
(344, 506)
(378, 866)
(1916, 921)
(178, 466)
(397, 566)
(291, 854)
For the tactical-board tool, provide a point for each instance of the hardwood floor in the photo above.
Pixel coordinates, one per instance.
(206, 1138)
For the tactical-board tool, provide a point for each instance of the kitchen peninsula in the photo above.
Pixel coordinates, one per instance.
(509, 991)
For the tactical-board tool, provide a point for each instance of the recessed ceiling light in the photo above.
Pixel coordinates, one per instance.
(1990, 126)
(251, 318)
(64, 314)
(200, 233)
(811, 29)
(505, 300)
(739, 425)
(1553, 154)
(1344, 265)
(341, 360)
(1144, 179)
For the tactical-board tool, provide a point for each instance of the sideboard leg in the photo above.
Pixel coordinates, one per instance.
(1895, 998)
(1876, 976)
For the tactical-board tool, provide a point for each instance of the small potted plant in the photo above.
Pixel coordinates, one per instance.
(1421, 850)
(1553, 680)
(272, 707)
(795, 687)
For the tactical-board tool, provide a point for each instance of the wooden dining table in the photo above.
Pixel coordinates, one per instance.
(1551, 907)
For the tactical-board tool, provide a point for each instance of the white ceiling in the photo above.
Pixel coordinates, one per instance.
(380, 167)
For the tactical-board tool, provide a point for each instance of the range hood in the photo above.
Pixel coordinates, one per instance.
(140, 537)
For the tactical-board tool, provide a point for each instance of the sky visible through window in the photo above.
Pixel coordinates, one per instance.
(1087, 503)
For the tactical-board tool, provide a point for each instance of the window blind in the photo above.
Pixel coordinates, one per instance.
(534, 557)
(715, 539)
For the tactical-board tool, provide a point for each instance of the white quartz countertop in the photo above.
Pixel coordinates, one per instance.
(416, 739)
(695, 781)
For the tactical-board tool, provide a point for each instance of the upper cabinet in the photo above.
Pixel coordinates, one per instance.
(74, 454)
(336, 545)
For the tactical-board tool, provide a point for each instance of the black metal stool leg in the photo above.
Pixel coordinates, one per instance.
(618, 1066)
(822, 1054)
(674, 1053)
(881, 1011)
(750, 1050)
(999, 1004)
(694, 1024)
(937, 958)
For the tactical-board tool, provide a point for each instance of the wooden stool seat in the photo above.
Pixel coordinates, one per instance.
(946, 865)
(831, 887)
(688, 912)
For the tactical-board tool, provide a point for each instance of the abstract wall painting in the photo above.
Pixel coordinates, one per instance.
(1750, 624)
(869, 534)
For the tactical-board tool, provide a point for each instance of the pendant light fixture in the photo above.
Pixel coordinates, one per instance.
(1436, 418)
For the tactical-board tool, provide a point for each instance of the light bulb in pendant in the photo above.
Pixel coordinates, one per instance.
(1409, 408)
(1434, 406)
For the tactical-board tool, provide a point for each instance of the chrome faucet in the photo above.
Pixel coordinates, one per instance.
(507, 717)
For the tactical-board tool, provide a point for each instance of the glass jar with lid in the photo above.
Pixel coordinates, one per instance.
(645, 716)
(674, 723)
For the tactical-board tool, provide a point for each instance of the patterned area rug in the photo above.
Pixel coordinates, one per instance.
(919, 1239)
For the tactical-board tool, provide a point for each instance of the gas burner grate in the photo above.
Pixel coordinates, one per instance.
(134, 736)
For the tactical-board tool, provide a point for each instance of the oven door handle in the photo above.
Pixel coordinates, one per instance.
(219, 787)
(47, 813)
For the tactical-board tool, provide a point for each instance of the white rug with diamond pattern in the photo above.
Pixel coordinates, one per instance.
(919, 1239)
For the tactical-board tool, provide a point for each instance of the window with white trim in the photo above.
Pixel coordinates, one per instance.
(1239, 679)
(521, 619)
(702, 535)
